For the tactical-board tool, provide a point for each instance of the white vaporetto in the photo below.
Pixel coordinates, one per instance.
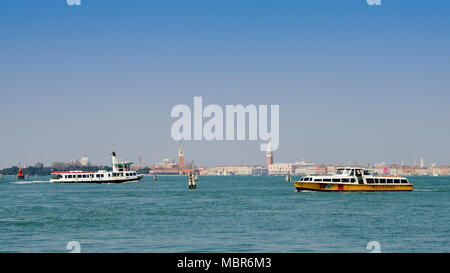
(121, 172)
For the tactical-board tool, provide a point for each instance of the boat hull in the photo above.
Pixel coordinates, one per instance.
(117, 181)
(311, 186)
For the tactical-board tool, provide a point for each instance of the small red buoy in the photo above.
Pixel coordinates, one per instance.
(20, 174)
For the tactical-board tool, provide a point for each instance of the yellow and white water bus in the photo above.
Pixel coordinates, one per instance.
(352, 179)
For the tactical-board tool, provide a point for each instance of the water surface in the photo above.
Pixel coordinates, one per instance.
(224, 214)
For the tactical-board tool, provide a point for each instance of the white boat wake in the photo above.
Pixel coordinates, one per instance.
(30, 182)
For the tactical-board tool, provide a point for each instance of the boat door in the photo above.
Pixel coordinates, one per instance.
(359, 176)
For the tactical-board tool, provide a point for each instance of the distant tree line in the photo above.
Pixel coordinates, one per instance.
(145, 170)
(44, 171)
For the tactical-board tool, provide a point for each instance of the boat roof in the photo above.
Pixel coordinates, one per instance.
(75, 172)
(123, 163)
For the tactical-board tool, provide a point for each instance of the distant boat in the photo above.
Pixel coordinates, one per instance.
(353, 179)
(121, 173)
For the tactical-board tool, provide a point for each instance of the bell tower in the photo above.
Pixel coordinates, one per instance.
(180, 157)
(269, 155)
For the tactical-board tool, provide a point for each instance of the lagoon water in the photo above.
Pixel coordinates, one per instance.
(224, 214)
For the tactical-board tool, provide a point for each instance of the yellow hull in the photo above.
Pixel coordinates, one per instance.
(311, 186)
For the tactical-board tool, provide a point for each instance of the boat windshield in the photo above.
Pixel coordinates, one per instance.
(343, 171)
(55, 176)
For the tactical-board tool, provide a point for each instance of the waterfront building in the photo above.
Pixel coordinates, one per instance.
(304, 167)
(237, 170)
(331, 169)
(84, 161)
(281, 168)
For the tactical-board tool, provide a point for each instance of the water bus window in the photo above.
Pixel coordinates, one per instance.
(382, 180)
(390, 181)
(336, 180)
(369, 180)
(397, 181)
(327, 180)
(345, 180)
(98, 176)
(318, 179)
(376, 180)
(404, 181)
(353, 180)
(79, 176)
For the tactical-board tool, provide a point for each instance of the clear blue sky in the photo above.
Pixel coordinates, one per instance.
(353, 81)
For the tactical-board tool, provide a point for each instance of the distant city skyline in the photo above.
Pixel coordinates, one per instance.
(353, 82)
(85, 161)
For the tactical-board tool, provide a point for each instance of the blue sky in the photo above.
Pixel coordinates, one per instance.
(354, 82)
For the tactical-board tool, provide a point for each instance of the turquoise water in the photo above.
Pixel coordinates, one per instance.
(224, 214)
